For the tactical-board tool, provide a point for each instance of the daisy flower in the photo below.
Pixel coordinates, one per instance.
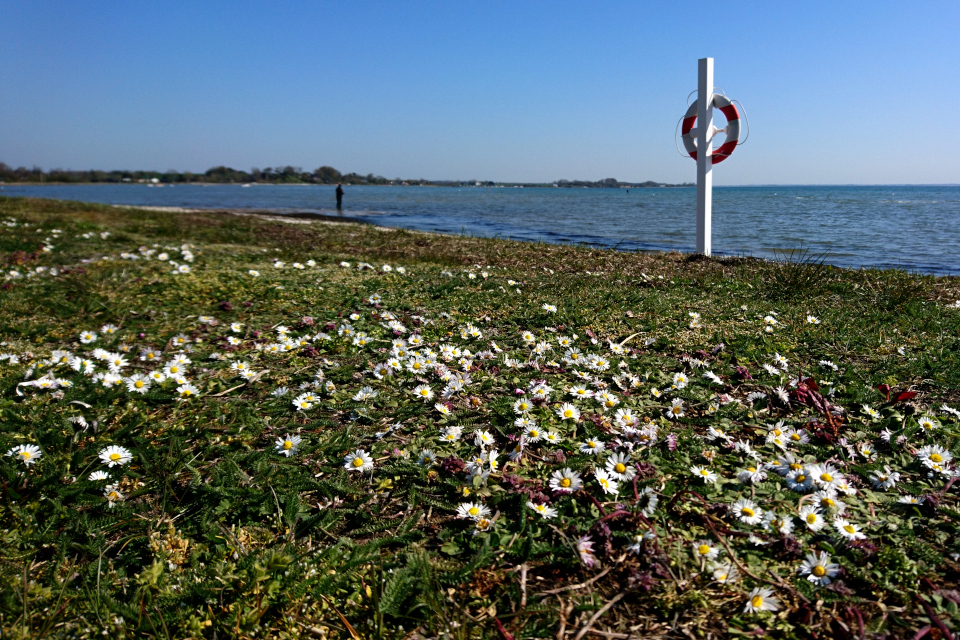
(800, 480)
(932, 455)
(751, 475)
(910, 500)
(618, 466)
(826, 476)
(704, 473)
(87, 337)
(847, 529)
(138, 383)
(705, 550)
(423, 392)
(608, 484)
(885, 479)
(818, 569)
(28, 453)
(566, 481)
(552, 437)
(928, 423)
(358, 460)
(451, 434)
(567, 411)
(97, 476)
(761, 599)
(813, 319)
(364, 394)
(115, 456)
(827, 500)
(675, 410)
(747, 511)
(549, 308)
(288, 445)
(482, 438)
(472, 511)
(810, 516)
(580, 391)
(187, 390)
(522, 406)
(532, 433)
(543, 510)
(680, 380)
(725, 572)
(638, 540)
(112, 494)
(592, 447)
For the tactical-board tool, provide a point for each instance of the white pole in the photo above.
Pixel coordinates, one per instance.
(704, 149)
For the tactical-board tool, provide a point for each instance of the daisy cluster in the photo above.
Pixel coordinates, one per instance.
(635, 457)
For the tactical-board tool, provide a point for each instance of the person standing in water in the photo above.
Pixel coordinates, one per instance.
(339, 198)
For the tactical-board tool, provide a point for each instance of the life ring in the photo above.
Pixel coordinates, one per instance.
(732, 129)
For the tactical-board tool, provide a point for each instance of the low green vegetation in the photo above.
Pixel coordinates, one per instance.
(218, 425)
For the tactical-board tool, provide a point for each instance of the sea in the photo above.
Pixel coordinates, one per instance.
(915, 228)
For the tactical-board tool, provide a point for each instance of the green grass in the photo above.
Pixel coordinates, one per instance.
(219, 535)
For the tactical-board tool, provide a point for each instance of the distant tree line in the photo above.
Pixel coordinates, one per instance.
(613, 183)
(282, 175)
(224, 175)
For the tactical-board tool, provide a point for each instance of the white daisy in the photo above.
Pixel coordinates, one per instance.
(27, 453)
(288, 444)
(358, 460)
(115, 456)
(818, 568)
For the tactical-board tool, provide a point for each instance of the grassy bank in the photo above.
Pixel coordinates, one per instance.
(231, 426)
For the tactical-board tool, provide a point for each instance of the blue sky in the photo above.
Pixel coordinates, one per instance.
(851, 92)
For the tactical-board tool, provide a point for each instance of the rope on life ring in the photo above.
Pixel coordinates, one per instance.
(732, 129)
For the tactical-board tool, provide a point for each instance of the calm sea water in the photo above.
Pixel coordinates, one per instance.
(910, 227)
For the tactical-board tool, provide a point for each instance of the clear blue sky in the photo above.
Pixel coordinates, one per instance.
(836, 92)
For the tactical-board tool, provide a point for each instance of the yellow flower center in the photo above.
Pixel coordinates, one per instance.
(777, 432)
(565, 482)
(795, 467)
(25, 455)
(747, 511)
(703, 549)
(534, 433)
(849, 529)
(483, 523)
(568, 414)
(619, 467)
(704, 472)
(287, 445)
(819, 571)
(826, 477)
(756, 602)
(187, 392)
(801, 478)
(827, 502)
(752, 469)
(473, 511)
(115, 456)
(358, 462)
(811, 518)
(795, 436)
(936, 457)
(722, 577)
(591, 444)
(174, 369)
(138, 384)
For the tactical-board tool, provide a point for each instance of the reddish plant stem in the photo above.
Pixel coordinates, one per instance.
(595, 502)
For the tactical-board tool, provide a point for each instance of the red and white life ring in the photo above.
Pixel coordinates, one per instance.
(732, 129)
